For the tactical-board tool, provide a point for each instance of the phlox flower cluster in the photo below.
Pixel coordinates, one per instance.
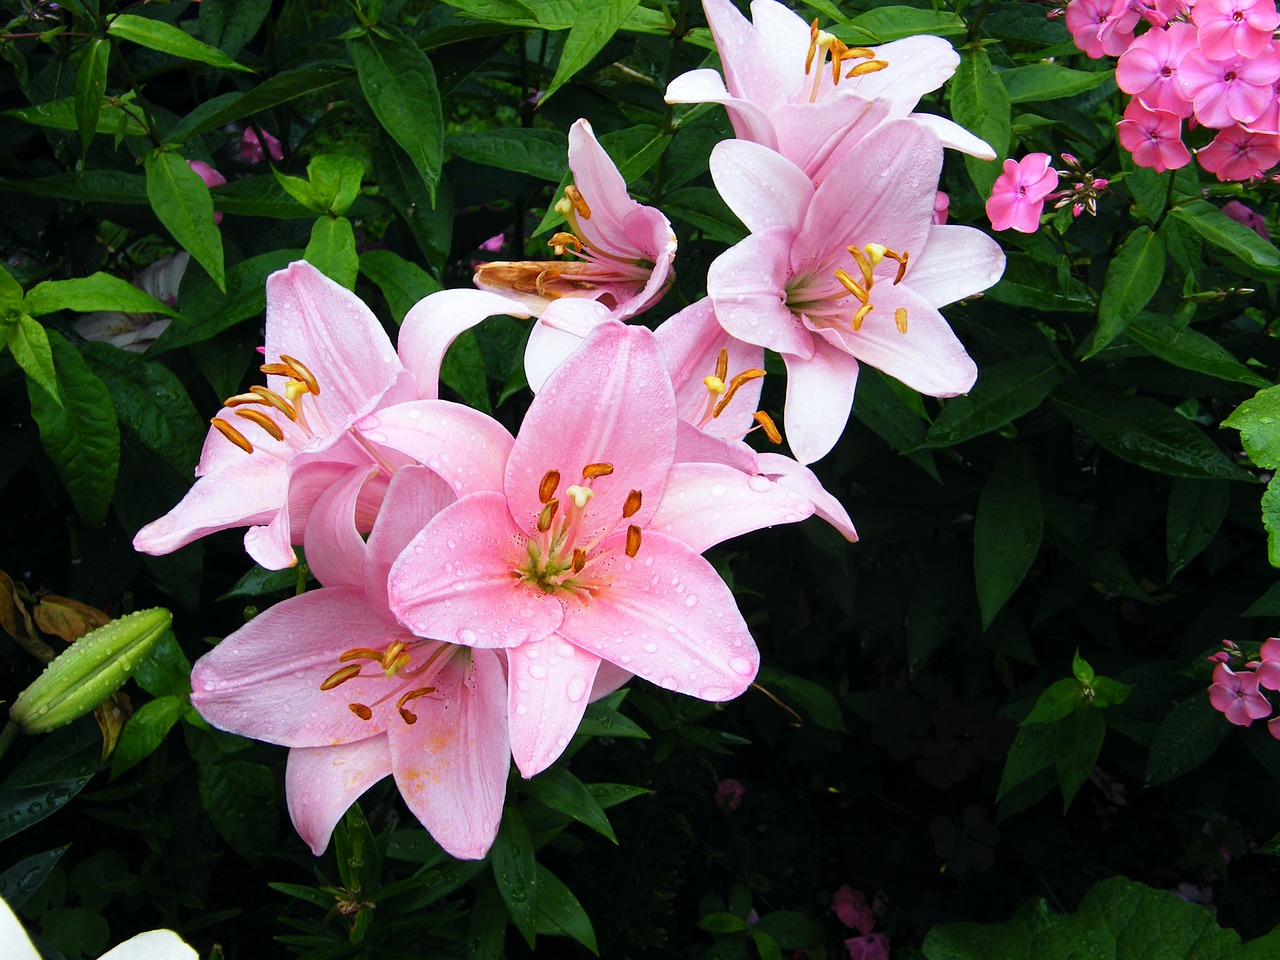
(1210, 63)
(1024, 186)
(852, 909)
(478, 588)
(1236, 692)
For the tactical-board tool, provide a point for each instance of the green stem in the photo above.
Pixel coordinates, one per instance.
(673, 64)
(1168, 200)
(977, 21)
(8, 735)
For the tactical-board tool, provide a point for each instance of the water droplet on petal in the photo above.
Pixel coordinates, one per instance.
(577, 689)
(741, 665)
(759, 484)
(650, 648)
(669, 683)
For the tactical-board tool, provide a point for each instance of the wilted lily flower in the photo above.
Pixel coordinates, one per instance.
(800, 91)
(852, 271)
(620, 252)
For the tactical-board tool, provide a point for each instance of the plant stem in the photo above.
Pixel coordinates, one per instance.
(8, 735)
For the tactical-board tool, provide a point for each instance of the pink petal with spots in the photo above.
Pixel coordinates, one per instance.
(321, 783)
(547, 692)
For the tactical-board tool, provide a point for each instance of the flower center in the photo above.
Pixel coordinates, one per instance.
(831, 303)
(823, 45)
(561, 557)
(408, 666)
(282, 418)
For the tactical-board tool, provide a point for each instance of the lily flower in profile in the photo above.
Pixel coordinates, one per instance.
(620, 252)
(802, 92)
(852, 271)
(273, 450)
(581, 554)
(356, 696)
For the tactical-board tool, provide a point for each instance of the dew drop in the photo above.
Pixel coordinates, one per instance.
(650, 648)
(577, 689)
(691, 600)
(740, 665)
(522, 708)
(759, 484)
(669, 683)
(537, 671)
(719, 490)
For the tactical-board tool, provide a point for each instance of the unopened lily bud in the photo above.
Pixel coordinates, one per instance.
(89, 671)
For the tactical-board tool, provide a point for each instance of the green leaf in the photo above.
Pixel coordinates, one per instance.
(182, 202)
(29, 345)
(791, 929)
(259, 580)
(145, 731)
(282, 88)
(1109, 693)
(401, 282)
(301, 190)
(529, 150)
(47, 779)
(487, 925)
(229, 26)
(980, 104)
(1147, 433)
(1081, 669)
(1148, 189)
(702, 207)
(1032, 751)
(1271, 520)
(1077, 742)
(1062, 698)
(1196, 511)
(400, 85)
(61, 115)
(243, 801)
(889, 22)
(152, 404)
(165, 671)
(432, 228)
(336, 178)
(595, 25)
(1258, 420)
(722, 923)
(611, 794)
(559, 911)
(1133, 277)
(814, 699)
(80, 436)
(560, 790)
(332, 250)
(1255, 256)
(20, 881)
(1007, 531)
(1189, 349)
(166, 38)
(602, 720)
(516, 873)
(1118, 919)
(99, 291)
(91, 84)
(1005, 391)
(1187, 738)
(766, 946)
(1049, 81)
(89, 186)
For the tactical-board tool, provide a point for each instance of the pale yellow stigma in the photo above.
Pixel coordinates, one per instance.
(714, 384)
(580, 495)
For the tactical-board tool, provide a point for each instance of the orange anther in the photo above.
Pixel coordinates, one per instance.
(299, 371)
(277, 401)
(900, 318)
(262, 420)
(633, 540)
(360, 653)
(852, 286)
(745, 376)
(858, 317)
(593, 470)
(360, 710)
(579, 204)
(547, 515)
(632, 504)
(768, 426)
(579, 559)
(547, 488)
(341, 676)
(232, 434)
(867, 66)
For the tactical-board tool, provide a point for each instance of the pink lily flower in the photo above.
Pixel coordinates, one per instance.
(1018, 195)
(1154, 137)
(332, 675)
(1237, 696)
(580, 553)
(1231, 28)
(780, 91)
(1149, 68)
(622, 251)
(274, 450)
(850, 271)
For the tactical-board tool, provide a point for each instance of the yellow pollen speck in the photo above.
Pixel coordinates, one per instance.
(861, 315)
(900, 318)
(580, 495)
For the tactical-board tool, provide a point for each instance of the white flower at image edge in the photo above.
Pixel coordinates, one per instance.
(152, 945)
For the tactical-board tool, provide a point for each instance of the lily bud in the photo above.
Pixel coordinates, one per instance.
(88, 671)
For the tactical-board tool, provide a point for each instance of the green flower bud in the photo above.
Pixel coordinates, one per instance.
(88, 671)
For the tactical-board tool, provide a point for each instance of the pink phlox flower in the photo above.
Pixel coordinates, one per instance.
(1153, 137)
(1226, 92)
(211, 178)
(1238, 212)
(136, 332)
(1220, 657)
(569, 560)
(729, 794)
(1101, 28)
(803, 93)
(1018, 196)
(1231, 28)
(1237, 696)
(873, 946)
(1148, 69)
(1268, 668)
(941, 208)
(355, 695)
(251, 148)
(794, 285)
(620, 252)
(852, 909)
(274, 450)
(1237, 154)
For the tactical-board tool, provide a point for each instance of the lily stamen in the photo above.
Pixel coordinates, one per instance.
(593, 470)
(360, 710)
(861, 315)
(900, 318)
(746, 376)
(275, 400)
(852, 285)
(262, 420)
(633, 540)
(341, 676)
(768, 426)
(547, 488)
(232, 434)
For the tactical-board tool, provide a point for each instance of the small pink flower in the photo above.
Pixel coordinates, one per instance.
(852, 909)
(729, 794)
(1269, 668)
(251, 150)
(1149, 68)
(1236, 695)
(874, 946)
(1154, 137)
(1019, 193)
(1237, 154)
(941, 208)
(1226, 92)
(1101, 28)
(211, 178)
(1238, 212)
(1230, 28)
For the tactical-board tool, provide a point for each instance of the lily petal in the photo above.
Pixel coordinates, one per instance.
(560, 330)
(952, 135)
(321, 783)
(335, 549)
(819, 399)
(547, 694)
(433, 323)
(747, 284)
(957, 262)
(152, 945)
(761, 186)
(415, 495)
(795, 476)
